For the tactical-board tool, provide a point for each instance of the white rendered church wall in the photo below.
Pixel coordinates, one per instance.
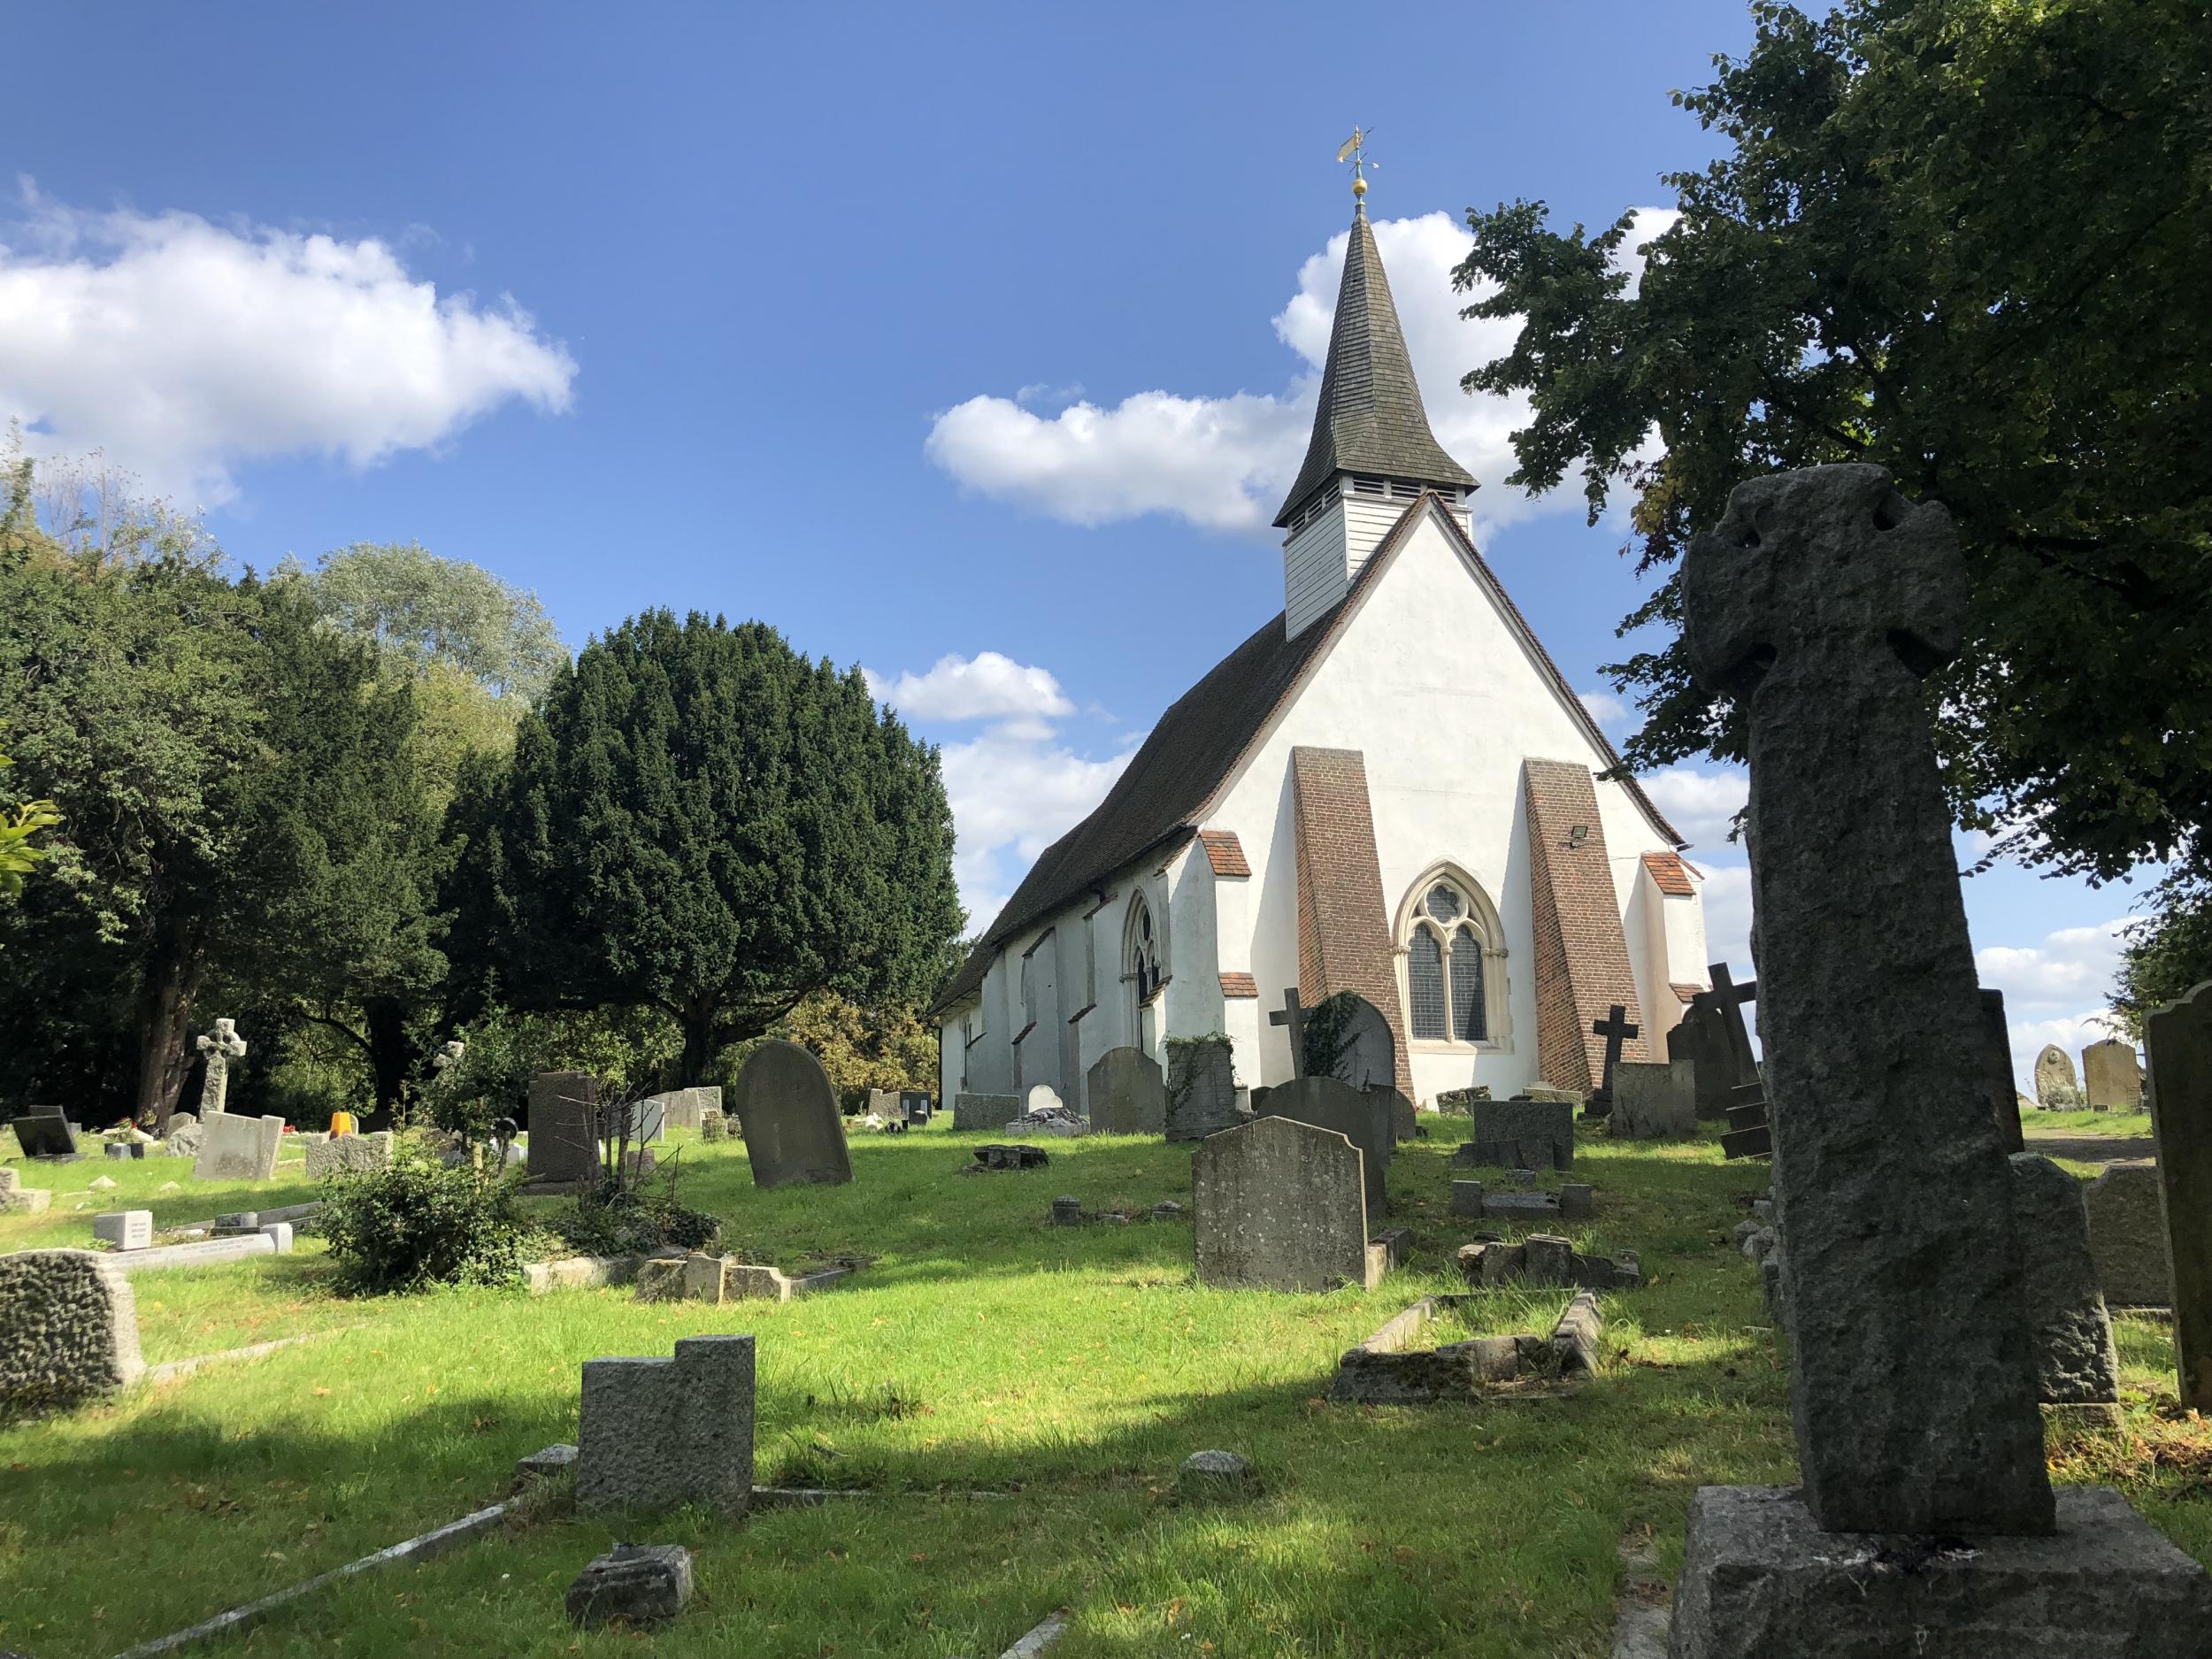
(1194, 987)
(1431, 682)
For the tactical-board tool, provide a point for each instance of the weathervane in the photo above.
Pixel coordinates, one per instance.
(1353, 149)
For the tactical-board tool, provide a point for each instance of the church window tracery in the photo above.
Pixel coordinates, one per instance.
(1449, 935)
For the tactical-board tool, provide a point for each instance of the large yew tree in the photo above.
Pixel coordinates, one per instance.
(699, 820)
(1969, 239)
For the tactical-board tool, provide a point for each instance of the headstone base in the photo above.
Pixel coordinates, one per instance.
(1759, 1579)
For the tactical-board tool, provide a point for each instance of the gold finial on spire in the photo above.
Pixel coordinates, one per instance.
(1355, 151)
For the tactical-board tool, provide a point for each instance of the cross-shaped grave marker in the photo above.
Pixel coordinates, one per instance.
(221, 1047)
(1615, 1029)
(1731, 998)
(1294, 1017)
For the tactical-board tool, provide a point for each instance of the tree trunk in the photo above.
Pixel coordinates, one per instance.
(171, 985)
(698, 1023)
(391, 1057)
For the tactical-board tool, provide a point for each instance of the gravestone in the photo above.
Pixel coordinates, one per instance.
(884, 1103)
(1281, 1205)
(1369, 1058)
(353, 1155)
(985, 1111)
(18, 1199)
(1202, 1089)
(794, 1134)
(2127, 1235)
(2056, 1088)
(713, 1126)
(221, 1047)
(1651, 1103)
(1405, 1121)
(1520, 1134)
(1700, 1041)
(2179, 1038)
(2110, 1077)
(1044, 1097)
(1616, 1028)
(68, 1331)
(686, 1108)
(638, 1584)
(125, 1229)
(563, 1126)
(1819, 605)
(2004, 1100)
(1128, 1094)
(914, 1104)
(238, 1149)
(1362, 1116)
(653, 1433)
(2068, 1327)
(44, 1132)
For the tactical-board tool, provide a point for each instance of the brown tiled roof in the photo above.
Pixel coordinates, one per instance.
(1239, 985)
(1169, 786)
(1666, 869)
(1369, 418)
(1224, 852)
(1581, 950)
(1685, 992)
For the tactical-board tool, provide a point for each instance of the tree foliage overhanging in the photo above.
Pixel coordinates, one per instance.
(701, 819)
(1967, 240)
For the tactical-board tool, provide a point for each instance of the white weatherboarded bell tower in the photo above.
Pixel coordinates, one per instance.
(1388, 789)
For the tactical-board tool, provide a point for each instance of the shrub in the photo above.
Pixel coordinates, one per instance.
(613, 1219)
(416, 1223)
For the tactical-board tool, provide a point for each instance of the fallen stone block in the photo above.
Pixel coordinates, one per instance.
(639, 1583)
(1542, 1259)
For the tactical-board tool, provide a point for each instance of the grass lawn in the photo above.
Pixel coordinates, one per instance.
(981, 1350)
(2086, 1123)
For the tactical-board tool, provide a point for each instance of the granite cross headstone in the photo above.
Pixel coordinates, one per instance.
(223, 1046)
(1729, 997)
(1818, 605)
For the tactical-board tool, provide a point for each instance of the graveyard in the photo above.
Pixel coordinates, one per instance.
(1066, 1372)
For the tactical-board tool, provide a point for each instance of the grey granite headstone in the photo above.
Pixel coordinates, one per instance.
(68, 1331)
(2127, 1235)
(1370, 1058)
(563, 1126)
(657, 1432)
(914, 1103)
(1702, 1042)
(125, 1229)
(2110, 1076)
(1818, 605)
(1520, 1134)
(2056, 1088)
(1202, 1089)
(2075, 1362)
(1127, 1093)
(1362, 1116)
(985, 1111)
(1281, 1205)
(1405, 1119)
(794, 1134)
(238, 1149)
(351, 1154)
(2179, 1037)
(44, 1132)
(1650, 1104)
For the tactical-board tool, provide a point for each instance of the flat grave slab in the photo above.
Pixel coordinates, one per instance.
(1395, 1367)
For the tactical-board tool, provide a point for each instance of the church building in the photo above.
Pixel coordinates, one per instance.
(1389, 789)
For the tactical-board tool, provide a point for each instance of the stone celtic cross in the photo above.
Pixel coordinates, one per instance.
(220, 1046)
(1819, 605)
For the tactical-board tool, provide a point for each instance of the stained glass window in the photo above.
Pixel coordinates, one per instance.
(1444, 905)
(1470, 1017)
(1424, 977)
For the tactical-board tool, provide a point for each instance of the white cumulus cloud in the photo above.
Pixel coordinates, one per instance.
(1223, 463)
(988, 685)
(1702, 804)
(1607, 710)
(183, 348)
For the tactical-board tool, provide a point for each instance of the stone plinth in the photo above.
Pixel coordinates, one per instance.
(235, 1149)
(639, 1583)
(1760, 1580)
(125, 1229)
(68, 1331)
(1281, 1205)
(658, 1432)
(795, 1133)
(1127, 1093)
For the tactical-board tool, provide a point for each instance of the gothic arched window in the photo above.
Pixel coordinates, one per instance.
(1449, 934)
(1140, 951)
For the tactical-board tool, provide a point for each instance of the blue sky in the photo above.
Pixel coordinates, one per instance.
(965, 332)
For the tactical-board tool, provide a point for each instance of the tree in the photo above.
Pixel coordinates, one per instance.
(1967, 240)
(431, 612)
(699, 820)
(19, 850)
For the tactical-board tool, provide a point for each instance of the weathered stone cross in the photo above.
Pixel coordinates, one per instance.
(1729, 997)
(1817, 606)
(1294, 1017)
(224, 1046)
(1614, 1028)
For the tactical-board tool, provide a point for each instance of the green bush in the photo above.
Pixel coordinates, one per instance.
(614, 1220)
(417, 1222)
